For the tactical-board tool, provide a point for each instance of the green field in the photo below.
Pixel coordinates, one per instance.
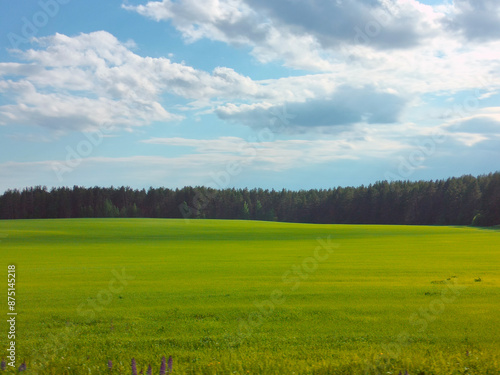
(244, 297)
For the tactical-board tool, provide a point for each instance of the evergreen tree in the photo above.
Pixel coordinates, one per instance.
(456, 201)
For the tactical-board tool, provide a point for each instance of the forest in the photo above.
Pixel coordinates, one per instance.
(465, 200)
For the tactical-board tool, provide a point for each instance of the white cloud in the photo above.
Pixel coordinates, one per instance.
(398, 45)
(280, 155)
(61, 112)
(484, 125)
(476, 20)
(346, 106)
(236, 23)
(210, 160)
(77, 83)
(304, 35)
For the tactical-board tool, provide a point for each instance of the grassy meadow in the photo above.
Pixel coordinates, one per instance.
(246, 297)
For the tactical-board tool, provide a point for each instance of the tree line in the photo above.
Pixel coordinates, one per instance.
(465, 200)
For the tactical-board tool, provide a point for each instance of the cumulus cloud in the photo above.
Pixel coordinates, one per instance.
(389, 25)
(485, 123)
(78, 83)
(477, 20)
(346, 106)
(304, 35)
(236, 23)
(61, 112)
(479, 124)
(399, 44)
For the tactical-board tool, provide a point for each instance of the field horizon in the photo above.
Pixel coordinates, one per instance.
(258, 297)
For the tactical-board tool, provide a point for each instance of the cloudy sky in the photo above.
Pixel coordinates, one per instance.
(247, 93)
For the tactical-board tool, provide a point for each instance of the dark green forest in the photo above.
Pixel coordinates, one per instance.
(465, 200)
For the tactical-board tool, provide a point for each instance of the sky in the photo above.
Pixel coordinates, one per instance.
(247, 93)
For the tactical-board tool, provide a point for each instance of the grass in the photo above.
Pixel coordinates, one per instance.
(244, 297)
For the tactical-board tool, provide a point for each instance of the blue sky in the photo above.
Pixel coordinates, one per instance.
(240, 93)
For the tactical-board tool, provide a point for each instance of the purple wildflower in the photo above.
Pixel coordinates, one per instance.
(134, 367)
(163, 368)
(170, 363)
(150, 371)
(22, 367)
(3, 365)
(110, 364)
